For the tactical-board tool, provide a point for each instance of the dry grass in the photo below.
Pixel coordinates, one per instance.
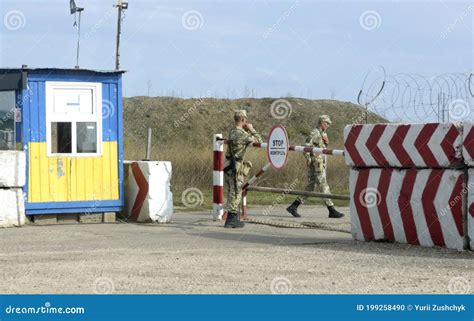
(192, 167)
(183, 129)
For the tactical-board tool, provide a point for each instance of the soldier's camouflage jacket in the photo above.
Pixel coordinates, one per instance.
(241, 139)
(315, 139)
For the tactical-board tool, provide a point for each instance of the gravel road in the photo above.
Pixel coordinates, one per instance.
(194, 254)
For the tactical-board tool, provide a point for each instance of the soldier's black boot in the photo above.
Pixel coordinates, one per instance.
(239, 223)
(233, 221)
(293, 208)
(333, 213)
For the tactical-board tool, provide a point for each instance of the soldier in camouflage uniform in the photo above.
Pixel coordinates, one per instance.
(236, 169)
(317, 169)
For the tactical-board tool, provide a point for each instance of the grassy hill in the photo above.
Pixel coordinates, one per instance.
(194, 121)
(183, 129)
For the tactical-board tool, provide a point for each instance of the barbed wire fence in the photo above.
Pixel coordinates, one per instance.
(406, 97)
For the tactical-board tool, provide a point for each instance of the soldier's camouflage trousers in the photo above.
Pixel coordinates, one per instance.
(234, 189)
(317, 177)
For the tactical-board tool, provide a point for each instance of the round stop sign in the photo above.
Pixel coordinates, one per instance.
(277, 147)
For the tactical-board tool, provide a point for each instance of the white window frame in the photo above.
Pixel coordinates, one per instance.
(74, 118)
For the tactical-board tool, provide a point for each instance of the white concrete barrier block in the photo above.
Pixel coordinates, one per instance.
(468, 144)
(414, 206)
(470, 209)
(12, 211)
(148, 196)
(403, 145)
(12, 168)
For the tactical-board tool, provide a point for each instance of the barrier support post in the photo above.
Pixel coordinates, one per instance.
(244, 205)
(218, 177)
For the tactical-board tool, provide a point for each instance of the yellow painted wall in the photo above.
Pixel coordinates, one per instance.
(62, 179)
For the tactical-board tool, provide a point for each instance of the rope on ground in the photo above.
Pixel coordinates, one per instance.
(324, 226)
(287, 224)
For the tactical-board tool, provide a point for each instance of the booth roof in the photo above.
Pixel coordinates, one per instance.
(63, 69)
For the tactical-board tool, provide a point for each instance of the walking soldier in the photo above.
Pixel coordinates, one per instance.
(317, 168)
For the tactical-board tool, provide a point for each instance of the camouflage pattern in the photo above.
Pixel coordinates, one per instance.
(241, 139)
(324, 118)
(240, 113)
(317, 169)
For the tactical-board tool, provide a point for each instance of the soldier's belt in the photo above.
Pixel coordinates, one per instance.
(237, 159)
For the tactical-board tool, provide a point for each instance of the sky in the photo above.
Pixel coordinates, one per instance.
(229, 49)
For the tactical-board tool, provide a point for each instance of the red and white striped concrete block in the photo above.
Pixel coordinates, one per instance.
(470, 208)
(414, 206)
(218, 177)
(402, 145)
(468, 144)
(148, 196)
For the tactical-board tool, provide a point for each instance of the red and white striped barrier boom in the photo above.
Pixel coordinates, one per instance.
(468, 144)
(403, 145)
(414, 206)
(306, 149)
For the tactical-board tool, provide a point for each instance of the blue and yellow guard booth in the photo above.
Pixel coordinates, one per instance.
(69, 123)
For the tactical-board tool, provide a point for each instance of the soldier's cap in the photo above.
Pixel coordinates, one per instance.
(324, 118)
(240, 113)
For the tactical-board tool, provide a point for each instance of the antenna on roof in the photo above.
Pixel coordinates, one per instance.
(121, 6)
(77, 23)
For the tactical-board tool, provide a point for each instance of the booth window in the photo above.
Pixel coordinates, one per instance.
(7, 120)
(61, 138)
(86, 137)
(73, 112)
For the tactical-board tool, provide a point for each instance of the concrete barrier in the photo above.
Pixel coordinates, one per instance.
(414, 206)
(403, 145)
(12, 179)
(470, 208)
(408, 183)
(468, 144)
(468, 155)
(12, 209)
(148, 196)
(12, 168)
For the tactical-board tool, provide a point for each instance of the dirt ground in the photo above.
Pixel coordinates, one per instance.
(194, 254)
